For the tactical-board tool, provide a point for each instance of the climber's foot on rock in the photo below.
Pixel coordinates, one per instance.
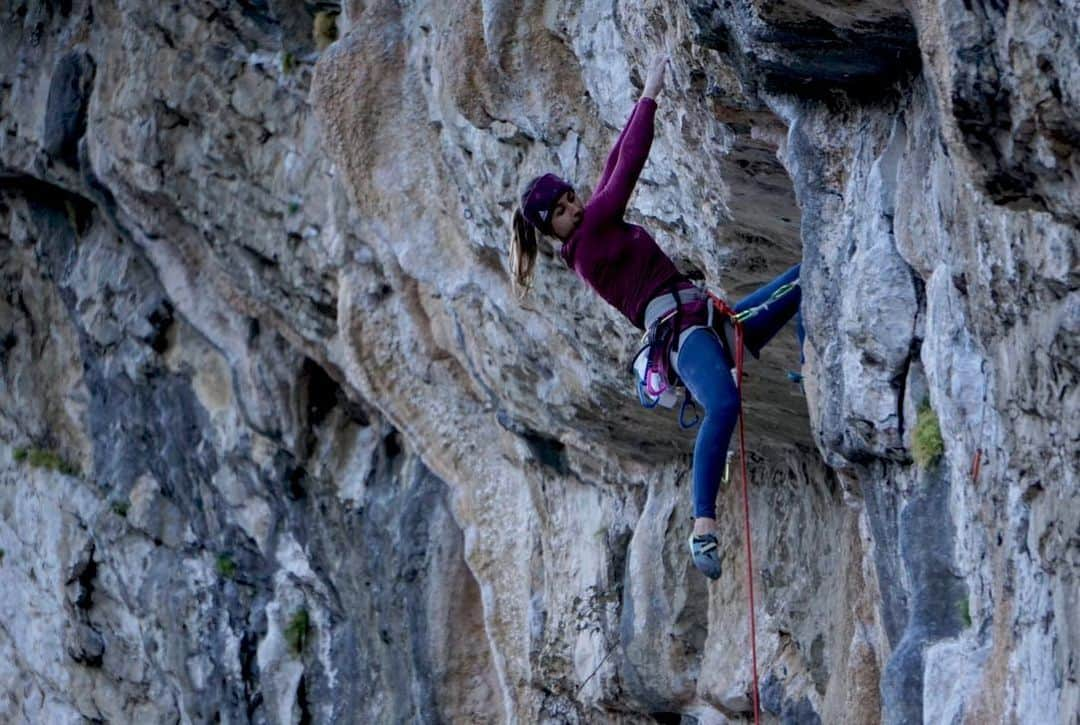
(705, 551)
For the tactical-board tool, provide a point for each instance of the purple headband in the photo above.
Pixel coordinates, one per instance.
(539, 199)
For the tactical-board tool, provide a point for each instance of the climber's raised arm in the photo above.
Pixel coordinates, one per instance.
(613, 157)
(631, 150)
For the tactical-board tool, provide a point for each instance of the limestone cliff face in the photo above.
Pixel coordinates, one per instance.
(279, 444)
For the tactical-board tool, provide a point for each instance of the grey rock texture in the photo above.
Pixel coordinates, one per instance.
(279, 444)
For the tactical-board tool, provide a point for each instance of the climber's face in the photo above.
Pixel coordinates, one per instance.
(566, 215)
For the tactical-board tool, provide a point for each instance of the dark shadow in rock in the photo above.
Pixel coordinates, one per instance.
(546, 450)
(786, 48)
(65, 115)
(789, 711)
(937, 597)
(161, 323)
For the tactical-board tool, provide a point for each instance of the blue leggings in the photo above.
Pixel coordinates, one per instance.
(706, 370)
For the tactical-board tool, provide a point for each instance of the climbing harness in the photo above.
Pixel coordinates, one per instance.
(652, 386)
(655, 381)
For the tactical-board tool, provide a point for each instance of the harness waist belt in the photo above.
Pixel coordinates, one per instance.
(663, 304)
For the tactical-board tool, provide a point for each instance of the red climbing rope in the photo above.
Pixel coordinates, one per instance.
(736, 320)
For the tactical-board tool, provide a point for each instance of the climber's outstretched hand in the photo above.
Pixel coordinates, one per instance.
(654, 83)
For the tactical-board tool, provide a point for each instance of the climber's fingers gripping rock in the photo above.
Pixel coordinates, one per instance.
(654, 82)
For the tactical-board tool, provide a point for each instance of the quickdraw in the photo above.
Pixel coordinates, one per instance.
(747, 314)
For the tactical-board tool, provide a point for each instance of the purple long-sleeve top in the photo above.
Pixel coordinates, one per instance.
(621, 261)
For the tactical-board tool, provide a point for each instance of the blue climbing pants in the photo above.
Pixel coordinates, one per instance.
(706, 371)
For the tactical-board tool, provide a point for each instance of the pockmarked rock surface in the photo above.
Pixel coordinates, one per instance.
(278, 443)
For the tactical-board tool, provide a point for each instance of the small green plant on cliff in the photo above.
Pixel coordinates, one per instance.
(288, 62)
(72, 215)
(226, 567)
(965, 612)
(926, 443)
(121, 508)
(296, 631)
(324, 31)
(41, 458)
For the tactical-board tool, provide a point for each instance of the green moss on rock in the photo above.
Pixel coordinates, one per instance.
(226, 567)
(50, 460)
(296, 631)
(965, 612)
(927, 445)
(288, 62)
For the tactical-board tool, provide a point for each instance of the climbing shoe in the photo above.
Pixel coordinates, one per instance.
(705, 551)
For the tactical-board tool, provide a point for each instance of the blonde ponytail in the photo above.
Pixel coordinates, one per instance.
(523, 250)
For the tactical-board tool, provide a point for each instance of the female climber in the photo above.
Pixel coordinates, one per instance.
(623, 263)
